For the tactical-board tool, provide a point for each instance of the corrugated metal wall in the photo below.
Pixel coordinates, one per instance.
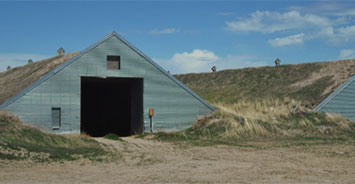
(175, 108)
(343, 102)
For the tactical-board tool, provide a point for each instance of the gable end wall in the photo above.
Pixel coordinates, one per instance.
(175, 108)
(343, 103)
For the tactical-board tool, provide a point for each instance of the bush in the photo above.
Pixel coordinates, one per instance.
(113, 136)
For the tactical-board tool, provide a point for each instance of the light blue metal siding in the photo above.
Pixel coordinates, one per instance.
(343, 102)
(175, 107)
(61, 90)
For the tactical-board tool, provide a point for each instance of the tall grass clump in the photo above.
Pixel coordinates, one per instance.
(113, 136)
(20, 141)
(262, 119)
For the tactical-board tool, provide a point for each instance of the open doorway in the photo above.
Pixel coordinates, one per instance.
(111, 105)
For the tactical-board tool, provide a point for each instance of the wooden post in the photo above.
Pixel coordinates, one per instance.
(151, 124)
(151, 114)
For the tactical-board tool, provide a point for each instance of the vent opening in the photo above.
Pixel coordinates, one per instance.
(113, 62)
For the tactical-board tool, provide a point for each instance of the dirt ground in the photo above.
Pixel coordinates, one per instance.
(148, 161)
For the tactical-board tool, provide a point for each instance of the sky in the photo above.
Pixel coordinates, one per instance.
(183, 36)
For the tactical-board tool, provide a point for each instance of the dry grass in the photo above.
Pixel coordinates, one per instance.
(340, 71)
(19, 141)
(16, 79)
(263, 119)
(277, 117)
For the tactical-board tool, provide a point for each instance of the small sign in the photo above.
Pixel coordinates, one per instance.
(151, 112)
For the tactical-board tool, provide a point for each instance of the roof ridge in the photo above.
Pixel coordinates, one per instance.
(53, 72)
(71, 60)
(163, 70)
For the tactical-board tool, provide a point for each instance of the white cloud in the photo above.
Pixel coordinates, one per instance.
(347, 54)
(323, 7)
(202, 60)
(338, 35)
(289, 40)
(335, 29)
(328, 31)
(196, 61)
(327, 8)
(349, 12)
(13, 60)
(346, 33)
(270, 22)
(164, 31)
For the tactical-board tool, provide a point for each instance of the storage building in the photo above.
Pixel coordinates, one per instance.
(109, 87)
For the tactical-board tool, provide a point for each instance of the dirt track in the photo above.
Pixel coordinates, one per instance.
(145, 161)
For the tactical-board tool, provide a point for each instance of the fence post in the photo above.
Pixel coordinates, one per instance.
(151, 114)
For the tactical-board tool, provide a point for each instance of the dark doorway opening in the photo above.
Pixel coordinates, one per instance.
(111, 105)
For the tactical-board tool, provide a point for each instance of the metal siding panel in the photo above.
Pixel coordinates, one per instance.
(61, 90)
(343, 103)
(175, 108)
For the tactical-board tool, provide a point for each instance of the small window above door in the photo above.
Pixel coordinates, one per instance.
(113, 62)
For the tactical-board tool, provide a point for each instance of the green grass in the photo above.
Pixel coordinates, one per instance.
(19, 142)
(232, 86)
(113, 136)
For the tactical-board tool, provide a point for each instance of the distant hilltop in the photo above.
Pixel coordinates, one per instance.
(309, 83)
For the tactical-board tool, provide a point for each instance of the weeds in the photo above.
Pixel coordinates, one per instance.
(264, 120)
(20, 141)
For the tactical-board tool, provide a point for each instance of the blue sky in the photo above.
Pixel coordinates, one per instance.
(184, 36)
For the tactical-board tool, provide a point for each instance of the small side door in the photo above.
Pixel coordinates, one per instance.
(56, 119)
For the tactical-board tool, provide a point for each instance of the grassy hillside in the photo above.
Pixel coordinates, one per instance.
(264, 120)
(307, 83)
(268, 103)
(18, 78)
(19, 142)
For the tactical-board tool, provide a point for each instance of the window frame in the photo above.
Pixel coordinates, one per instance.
(57, 127)
(113, 59)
